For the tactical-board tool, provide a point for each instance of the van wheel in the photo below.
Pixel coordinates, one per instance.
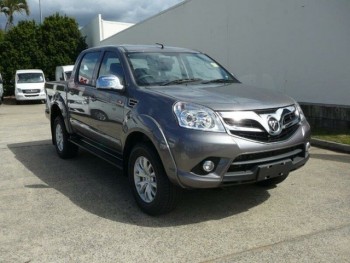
(273, 181)
(64, 147)
(153, 191)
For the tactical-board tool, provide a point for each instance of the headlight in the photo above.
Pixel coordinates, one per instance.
(19, 90)
(197, 117)
(299, 112)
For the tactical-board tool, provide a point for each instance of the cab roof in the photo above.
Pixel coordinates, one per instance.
(146, 48)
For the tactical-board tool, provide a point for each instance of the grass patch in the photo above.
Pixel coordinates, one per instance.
(332, 136)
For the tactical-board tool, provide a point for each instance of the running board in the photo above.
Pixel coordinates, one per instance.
(102, 152)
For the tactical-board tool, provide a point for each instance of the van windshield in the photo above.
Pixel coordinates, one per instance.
(30, 77)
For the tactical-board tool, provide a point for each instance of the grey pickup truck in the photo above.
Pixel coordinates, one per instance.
(174, 118)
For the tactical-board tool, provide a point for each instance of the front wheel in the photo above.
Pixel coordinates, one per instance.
(64, 147)
(153, 191)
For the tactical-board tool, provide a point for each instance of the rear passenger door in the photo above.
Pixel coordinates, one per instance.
(80, 91)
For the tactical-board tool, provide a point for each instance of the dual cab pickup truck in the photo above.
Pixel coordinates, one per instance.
(174, 118)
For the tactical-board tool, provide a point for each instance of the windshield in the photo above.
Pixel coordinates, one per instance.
(30, 77)
(175, 68)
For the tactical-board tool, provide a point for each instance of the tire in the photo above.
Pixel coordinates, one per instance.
(153, 191)
(273, 181)
(65, 149)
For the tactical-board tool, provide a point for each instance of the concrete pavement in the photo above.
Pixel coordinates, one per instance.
(82, 210)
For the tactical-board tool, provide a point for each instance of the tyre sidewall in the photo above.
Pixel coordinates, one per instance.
(68, 150)
(163, 184)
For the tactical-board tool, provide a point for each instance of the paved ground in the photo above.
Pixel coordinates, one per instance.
(81, 210)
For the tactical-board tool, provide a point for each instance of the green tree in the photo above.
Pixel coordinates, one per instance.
(61, 42)
(10, 7)
(56, 42)
(20, 50)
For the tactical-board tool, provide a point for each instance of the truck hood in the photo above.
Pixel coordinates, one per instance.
(226, 97)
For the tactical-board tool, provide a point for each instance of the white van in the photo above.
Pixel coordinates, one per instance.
(63, 72)
(29, 85)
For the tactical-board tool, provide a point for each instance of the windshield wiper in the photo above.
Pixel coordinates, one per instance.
(179, 81)
(219, 81)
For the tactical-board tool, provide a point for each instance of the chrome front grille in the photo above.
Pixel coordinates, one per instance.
(271, 125)
(31, 90)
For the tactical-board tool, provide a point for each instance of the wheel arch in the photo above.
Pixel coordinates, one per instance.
(152, 134)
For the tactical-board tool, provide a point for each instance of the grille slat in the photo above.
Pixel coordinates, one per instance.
(246, 162)
(265, 136)
(254, 125)
(28, 91)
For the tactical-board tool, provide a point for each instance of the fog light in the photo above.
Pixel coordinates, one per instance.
(208, 166)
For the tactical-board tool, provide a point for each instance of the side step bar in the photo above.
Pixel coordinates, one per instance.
(103, 153)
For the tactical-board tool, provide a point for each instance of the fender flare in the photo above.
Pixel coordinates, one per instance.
(154, 132)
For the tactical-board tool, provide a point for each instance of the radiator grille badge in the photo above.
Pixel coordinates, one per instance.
(274, 125)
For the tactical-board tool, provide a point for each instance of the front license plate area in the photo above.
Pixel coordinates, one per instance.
(272, 170)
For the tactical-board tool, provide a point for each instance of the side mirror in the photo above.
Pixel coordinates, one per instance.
(110, 82)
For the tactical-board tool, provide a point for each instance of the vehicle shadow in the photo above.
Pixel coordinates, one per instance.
(99, 188)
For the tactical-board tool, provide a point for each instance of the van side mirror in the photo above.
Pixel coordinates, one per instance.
(110, 82)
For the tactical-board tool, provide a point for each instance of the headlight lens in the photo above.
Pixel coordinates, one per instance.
(197, 117)
(19, 90)
(299, 112)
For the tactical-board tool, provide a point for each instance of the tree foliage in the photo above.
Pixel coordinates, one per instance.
(62, 42)
(28, 45)
(10, 7)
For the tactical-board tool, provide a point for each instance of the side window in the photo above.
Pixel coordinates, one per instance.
(87, 66)
(111, 66)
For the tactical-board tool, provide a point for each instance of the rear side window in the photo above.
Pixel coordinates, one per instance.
(87, 67)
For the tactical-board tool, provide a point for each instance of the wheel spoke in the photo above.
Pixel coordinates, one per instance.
(145, 179)
(142, 186)
(59, 137)
(148, 193)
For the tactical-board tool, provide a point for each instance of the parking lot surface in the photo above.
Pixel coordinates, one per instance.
(82, 210)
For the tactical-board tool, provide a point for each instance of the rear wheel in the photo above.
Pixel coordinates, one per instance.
(153, 191)
(64, 147)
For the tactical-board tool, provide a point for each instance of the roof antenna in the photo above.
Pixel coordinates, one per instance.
(161, 45)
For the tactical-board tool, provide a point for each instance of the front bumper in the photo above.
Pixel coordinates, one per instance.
(33, 96)
(237, 160)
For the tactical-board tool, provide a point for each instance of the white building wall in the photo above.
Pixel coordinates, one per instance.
(92, 32)
(300, 47)
(98, 30)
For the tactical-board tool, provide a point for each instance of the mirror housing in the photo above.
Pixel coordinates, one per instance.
(110, 82)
